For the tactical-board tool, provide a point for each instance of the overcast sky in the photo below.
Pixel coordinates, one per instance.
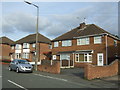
(56, 18)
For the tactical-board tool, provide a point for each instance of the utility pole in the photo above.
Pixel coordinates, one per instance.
(36, 59)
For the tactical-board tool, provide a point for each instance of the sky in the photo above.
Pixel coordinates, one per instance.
(56, 18)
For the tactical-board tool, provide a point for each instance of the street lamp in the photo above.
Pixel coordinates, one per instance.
(36, 61)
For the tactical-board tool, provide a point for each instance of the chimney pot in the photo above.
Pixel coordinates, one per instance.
(82, 25)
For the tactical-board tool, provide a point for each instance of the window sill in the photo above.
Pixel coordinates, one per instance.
(82, 62)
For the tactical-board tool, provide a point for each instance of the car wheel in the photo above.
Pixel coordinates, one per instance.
(17, 70)
(10, 69)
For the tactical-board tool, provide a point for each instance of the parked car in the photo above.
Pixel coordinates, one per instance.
(20, 66)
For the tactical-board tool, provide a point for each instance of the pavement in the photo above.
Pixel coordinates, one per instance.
(69, 78)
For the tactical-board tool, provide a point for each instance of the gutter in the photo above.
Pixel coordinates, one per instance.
(106, 49)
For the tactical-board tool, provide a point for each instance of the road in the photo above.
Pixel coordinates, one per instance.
(11, 79)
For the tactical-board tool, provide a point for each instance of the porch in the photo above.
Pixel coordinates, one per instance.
(71, 59)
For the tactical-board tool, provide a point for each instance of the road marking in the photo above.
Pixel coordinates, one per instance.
(17, 85)
(51, 77)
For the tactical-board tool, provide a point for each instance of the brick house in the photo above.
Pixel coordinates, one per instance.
(85, 44)
(6, 48)
(25, 47)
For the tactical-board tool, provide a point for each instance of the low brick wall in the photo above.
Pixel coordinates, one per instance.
(119, 67)
(51, 66)
(92, 71)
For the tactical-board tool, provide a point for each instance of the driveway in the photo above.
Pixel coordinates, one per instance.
(76, 72)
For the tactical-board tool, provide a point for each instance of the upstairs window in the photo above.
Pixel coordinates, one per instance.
(55, 44)
(50, 46)
(12, 47)
(115, 43)
(67, 43)
(97, 39)
(83, 41)
(18, 46)
(33, 45)
(25, 45)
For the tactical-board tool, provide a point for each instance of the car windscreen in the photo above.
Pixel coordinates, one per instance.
(23, 62)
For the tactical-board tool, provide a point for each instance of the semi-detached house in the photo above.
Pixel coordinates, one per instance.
(25, 48)
(6, 48)
(85, 44)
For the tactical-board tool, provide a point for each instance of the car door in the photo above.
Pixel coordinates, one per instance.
(12, 65)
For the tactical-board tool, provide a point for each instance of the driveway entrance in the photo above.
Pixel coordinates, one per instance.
(76, 72)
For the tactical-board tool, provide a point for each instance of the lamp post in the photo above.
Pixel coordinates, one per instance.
(36, 59)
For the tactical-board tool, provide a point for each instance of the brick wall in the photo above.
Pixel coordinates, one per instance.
(43, 47)
(5, 51)
(98, 48)
(112, 50)
(46, 66)
(92, 71)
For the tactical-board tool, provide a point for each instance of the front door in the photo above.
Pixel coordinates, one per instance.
(100, 59)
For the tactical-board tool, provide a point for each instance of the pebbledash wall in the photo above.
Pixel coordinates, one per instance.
(51, 66)
(93, 71)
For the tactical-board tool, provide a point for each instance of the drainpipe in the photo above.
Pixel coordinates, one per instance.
(106, 50)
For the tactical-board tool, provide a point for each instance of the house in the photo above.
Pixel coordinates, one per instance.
(85, 44)
(6, 48)
(25, 47)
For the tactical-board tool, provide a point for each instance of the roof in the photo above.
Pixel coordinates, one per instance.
(90, 29)
(6, 40)
(32, 39)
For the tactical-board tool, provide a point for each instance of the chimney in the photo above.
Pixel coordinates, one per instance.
(82, 25)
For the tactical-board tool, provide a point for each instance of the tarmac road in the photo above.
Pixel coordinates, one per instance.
(11, 79)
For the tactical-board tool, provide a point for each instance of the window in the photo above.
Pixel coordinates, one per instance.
(18, 46)
(83, 57)
(83, 41)
(12, 47)
(25, 45)
(54, 57)
(65, 56)
(33, 45)
(50, 46)
(115, 43)
(97, 39)
(67, 43)
(25, 55)
(55, 44)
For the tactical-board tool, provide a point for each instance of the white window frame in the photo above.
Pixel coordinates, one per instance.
(34, 45)
(64, 56)
(18, 46)
(56, 44)
(26, 45)
(66, 43)
(12, 47)
(97, 39)
(88, 60)
(86, 41)
(50, 46)
(25, 55)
